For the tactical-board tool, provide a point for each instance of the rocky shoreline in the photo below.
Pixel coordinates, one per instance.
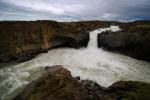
(58, 84)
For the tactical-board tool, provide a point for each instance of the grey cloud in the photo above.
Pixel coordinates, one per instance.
(68, 10)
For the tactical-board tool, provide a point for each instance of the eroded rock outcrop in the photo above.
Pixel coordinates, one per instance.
(58, 84)
(133, 40)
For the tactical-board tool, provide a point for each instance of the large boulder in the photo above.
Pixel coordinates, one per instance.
(56, 84)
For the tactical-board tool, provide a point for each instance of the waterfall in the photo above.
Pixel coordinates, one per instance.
(93, 40)
(94, 34)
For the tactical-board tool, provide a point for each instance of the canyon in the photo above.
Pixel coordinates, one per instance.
(75, 46)
(22, 40)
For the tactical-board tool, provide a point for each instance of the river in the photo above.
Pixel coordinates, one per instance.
(91, 63)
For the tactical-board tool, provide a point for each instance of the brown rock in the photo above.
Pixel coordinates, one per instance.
(56, 84)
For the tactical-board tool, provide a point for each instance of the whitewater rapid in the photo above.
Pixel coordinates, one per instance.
(89, 63)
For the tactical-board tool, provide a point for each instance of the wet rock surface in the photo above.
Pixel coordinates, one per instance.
(58, 84)
(133, 40)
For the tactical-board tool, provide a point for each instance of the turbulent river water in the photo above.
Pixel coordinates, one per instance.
(89, 63)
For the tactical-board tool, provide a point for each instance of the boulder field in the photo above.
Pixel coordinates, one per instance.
(57, 83)
(133, 40)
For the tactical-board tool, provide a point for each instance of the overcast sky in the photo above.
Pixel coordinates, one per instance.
(72, 10)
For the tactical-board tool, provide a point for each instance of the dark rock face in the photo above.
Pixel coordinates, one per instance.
(27, 55)
(75, 42)
(130, 90)
(4, 58)
(58, 84)
(133, 40)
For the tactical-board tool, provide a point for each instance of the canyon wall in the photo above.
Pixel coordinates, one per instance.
(133, 40)
(22, 40)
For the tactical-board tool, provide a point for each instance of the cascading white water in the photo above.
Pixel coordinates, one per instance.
(93, 36)
(93, 41)
(89, 63)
